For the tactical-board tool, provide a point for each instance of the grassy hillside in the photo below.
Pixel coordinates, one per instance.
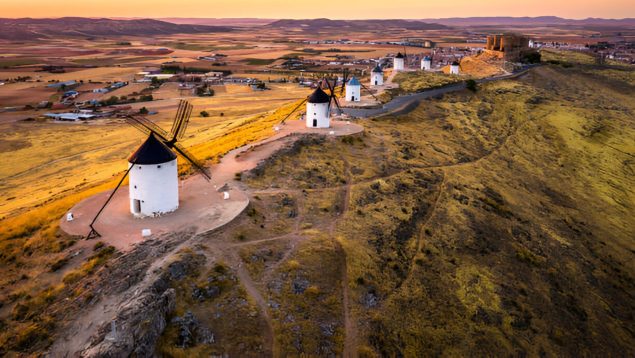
(497, 223)
(494, 223)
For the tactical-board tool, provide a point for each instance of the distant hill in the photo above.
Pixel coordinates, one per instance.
(527, 21)
(28, 29)
(233, 22)
(325, 24)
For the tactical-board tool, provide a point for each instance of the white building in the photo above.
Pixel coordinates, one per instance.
(377, 76)
(154, 180)
(317, 110)
(353, 90)
(398, 62)
(426, 63)
(454, 68)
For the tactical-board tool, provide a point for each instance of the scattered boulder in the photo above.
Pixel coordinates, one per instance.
(191, 332)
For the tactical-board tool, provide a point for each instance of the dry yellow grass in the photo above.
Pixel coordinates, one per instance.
(94, 153)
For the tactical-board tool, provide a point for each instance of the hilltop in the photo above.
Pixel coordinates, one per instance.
(30, 29)
(530, 21)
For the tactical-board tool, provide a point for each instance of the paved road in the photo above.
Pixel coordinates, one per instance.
(405, 103)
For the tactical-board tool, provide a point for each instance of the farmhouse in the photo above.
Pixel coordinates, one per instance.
(73, 117)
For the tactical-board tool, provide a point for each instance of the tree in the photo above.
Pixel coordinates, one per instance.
(204, 114)
(471, 85)
(143, 110)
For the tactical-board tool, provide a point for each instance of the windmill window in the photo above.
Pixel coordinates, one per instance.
(135, 187)
(158, 166)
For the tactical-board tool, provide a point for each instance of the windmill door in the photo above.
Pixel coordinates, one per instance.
(375, 82)
(314, 122)
(136, 206)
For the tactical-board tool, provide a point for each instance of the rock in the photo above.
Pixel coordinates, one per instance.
(142, 320)
(203, 293)
(300, 285)
(370, 300)
(191, 332)
(327, 329)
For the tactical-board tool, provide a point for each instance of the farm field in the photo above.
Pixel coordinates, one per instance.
(89, 153)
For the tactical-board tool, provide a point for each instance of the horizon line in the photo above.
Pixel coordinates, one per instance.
(312, 18)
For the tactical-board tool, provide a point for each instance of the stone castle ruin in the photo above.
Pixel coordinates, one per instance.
(509, 47)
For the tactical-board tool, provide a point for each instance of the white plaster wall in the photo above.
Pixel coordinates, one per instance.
(454, 69)
(398, 64)
(157, 186)
(353, 91)
(426, 65)
(319, 111)
(376, 79)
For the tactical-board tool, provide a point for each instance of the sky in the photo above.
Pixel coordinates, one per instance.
(304, 9)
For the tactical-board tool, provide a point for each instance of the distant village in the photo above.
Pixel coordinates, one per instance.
(85, 101)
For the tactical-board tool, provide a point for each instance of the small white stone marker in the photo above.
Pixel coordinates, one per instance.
(69, 217)
(225, 195)
(146, 232)
(276, 128)
(348, 122)
(332, 132)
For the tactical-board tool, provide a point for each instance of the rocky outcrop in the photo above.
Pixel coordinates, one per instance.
(138, 325)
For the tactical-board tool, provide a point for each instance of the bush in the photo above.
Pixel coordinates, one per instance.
(533, 57)
(471, 85)
(204, 114)
(143, 110)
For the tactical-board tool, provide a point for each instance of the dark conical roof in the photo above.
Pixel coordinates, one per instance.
(319, 96)
(353, 82)
(455, 63)
(152, 151)
(399, 55)
(378, 69)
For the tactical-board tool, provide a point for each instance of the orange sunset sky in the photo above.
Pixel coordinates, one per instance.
(351, 9)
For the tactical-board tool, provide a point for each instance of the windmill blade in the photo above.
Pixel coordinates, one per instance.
(344, 80)
(198, 165)
(337, 103)
(369, 92)
(177, 116)
(137, 121)
(181, 120)
(333, 98)
(295, 109)
(93, 232)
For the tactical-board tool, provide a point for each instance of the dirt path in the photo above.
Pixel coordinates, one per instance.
(74, 339)
(254, 294)
(78, 335)
(350, 328)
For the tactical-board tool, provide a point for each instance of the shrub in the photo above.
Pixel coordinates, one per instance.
(471, 85)
(204, 114)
